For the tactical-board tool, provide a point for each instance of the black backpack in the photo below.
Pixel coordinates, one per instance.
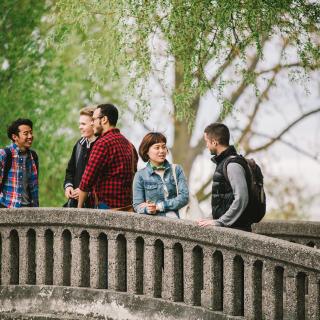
(8, 164)
(257, 197)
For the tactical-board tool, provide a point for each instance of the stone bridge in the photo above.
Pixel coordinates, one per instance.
(97, 264)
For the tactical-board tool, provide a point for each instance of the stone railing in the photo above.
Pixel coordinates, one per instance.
(303, 232)
(116, 265)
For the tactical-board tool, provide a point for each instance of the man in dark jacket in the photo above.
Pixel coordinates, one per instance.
(229, 198)
(79, 158)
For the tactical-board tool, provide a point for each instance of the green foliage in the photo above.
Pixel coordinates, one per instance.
(45, 85)
(195, 33)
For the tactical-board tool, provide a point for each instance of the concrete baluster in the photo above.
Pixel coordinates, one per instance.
(168, 274)
(188, 274)
(76, 259)
(131, 264)
(94, 260)
(5, 276)
(252, 288)
(149, 266)
(313, 296)
(291, 301)
(112, 261)
(272, 303)
(208, 279)
(23, 256)
(40, 257)
(229, 303)
(57, 257)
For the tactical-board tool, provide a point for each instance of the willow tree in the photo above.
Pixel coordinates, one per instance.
(210, 47)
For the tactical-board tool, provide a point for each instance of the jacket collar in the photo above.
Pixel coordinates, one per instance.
(230, 151)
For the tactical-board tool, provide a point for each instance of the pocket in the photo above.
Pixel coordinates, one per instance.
(151, 190)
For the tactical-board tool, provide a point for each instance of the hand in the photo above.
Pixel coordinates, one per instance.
(75, 193)
(68, 192)
(208, 222)
(151, 207)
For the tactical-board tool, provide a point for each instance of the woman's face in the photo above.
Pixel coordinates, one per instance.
(157, 153)
(85, 126)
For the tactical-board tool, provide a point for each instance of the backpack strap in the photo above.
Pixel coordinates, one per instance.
(235, 159)
(7, 166)
(36, 160)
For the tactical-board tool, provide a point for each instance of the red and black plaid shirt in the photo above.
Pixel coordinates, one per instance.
(109, 172)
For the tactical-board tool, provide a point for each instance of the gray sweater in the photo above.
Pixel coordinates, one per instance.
(237, 177)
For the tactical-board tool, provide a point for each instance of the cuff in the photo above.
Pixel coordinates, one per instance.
(221, 224)
(68, 185)
(160, 206)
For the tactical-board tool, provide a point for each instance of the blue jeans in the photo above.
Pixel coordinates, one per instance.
(102, 205)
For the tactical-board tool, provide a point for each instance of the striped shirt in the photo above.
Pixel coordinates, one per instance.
(12, 189)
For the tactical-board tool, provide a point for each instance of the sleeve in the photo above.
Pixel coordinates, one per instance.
(138, 193)
(183, 196)
(237, 178)
(99, 155)
(71, 169)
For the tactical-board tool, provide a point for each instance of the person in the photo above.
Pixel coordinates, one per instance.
(154, 187)
(19, 168)
(79, 159)
(229, 198)
(111, 165)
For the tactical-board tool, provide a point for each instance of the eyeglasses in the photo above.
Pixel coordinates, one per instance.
(94, 119)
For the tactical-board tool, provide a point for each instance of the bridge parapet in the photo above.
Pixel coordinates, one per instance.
(302, 232)
(205, 273)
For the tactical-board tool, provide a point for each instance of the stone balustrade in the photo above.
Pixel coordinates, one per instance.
(302, 232)
(150, 268)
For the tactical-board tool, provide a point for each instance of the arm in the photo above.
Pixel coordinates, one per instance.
(182, 197)
(98, 158)
(138, 193)
(71, 167)
(82, 198)
(237, 178)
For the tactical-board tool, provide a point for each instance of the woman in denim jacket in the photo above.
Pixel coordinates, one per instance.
(154, 187)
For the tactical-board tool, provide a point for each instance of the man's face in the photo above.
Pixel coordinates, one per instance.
(96, 122)
(85, 126)
(211, 144)
(24, 137)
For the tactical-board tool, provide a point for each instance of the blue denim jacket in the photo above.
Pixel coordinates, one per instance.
(148, 185)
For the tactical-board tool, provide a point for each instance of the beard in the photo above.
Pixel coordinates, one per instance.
(98, 131)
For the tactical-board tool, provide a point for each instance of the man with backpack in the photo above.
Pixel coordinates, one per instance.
(19, 168)
(238, 199)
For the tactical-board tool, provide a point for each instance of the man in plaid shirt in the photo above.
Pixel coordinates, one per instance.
(112, 163)
(19, 185)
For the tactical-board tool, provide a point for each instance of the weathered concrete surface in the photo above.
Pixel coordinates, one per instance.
(134, 266)
(302, 232)
(49, 302)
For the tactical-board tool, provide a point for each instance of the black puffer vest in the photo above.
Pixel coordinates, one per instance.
(222, 194)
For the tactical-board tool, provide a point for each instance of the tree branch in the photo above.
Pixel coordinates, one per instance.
(314, 157)
(278, 137)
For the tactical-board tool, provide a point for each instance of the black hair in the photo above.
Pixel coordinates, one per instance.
(219, 132)
(110, 111)
(13, 128)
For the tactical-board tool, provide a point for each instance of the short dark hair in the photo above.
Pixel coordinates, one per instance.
(149, 140)
(13, 128)
(219, 132)
(110, 111)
